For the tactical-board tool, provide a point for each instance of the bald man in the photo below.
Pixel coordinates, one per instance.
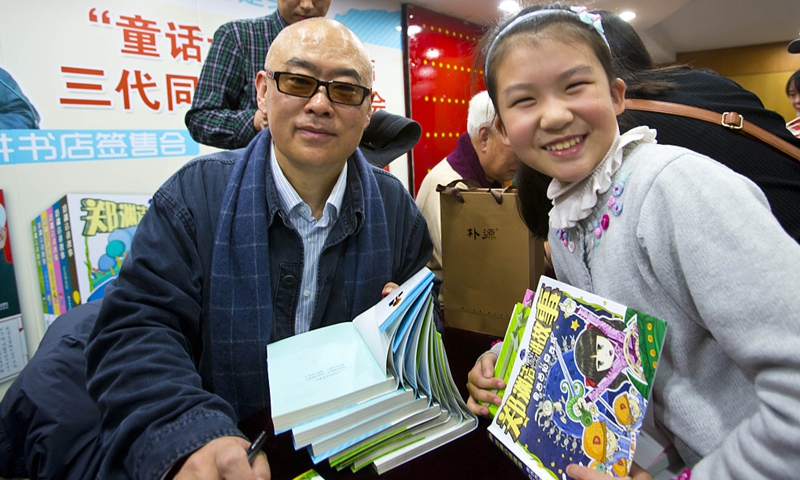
(224, 111)
(243, 248)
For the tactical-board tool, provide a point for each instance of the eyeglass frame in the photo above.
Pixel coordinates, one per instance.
(275, 75)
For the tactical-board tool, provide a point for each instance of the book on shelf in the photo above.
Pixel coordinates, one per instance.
(58, 292)
(13, 348)
(81, 241)
(580, 384)
(378, 387)
(52, 292)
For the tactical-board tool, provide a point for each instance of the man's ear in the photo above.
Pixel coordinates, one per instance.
(368, 101)
(261, 91)
(483, 137)
(618, 88)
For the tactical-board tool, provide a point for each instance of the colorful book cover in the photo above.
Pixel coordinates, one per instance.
(39, 273)
(580, 391)
(51, 274)
(47, 308)
(51, 220)
(62, 257)
(75, 294)
(101, 228)
(511, 343)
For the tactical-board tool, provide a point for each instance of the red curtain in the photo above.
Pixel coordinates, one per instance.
(440, 57)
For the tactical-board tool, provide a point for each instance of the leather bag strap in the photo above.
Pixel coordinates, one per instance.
(730, 120)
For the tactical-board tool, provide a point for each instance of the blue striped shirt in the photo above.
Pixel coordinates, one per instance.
(313, 232)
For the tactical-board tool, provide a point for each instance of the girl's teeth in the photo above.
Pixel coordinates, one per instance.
(564, 145)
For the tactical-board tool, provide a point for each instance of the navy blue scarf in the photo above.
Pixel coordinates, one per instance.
(241, 289)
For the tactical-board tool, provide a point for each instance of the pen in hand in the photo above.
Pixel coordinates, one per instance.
(255, 447)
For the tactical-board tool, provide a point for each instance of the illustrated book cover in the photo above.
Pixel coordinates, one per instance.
(580, 385)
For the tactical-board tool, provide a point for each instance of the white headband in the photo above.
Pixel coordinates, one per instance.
(594, 20)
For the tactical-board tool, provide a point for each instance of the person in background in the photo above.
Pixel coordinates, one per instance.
(224, 111)
(242, 248)
(777, 174)
(480, 155)
(16, 111)
(686, 240)
(793, 92)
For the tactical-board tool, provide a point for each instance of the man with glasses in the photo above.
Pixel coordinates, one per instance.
(224, 113)
(243, 248)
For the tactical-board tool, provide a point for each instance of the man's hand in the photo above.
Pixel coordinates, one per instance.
(260, 121)
(579, 472)
(479, 381)
(224, 457)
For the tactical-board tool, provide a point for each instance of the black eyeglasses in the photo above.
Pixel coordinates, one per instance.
(305, 86)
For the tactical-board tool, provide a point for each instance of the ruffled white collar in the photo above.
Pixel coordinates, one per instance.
(572, 202)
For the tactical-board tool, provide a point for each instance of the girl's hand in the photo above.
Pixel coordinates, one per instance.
(479, 381)
(579, 472)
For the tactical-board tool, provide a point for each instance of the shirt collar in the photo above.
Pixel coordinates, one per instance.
(281, 21)
(290, 200)
(572, 202)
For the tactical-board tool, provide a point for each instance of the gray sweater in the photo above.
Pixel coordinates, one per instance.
(695, 244)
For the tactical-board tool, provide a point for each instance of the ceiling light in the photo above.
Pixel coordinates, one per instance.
(509, 6)
(627, 16)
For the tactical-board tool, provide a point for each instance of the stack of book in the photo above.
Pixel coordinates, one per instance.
(582, 368)
(80, 242)
(375, 391)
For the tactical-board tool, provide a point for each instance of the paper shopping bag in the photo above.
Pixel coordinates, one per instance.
(489, 258)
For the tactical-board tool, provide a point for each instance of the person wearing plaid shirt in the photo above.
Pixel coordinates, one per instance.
(224, 112)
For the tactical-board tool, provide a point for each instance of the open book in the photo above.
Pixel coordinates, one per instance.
(375, 391)
(580, 384)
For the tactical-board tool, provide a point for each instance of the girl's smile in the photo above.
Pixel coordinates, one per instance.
(566, 147)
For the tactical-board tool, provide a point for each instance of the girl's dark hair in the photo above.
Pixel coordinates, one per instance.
(794, 81)
(633, 62)
(532, 202)
(584, 358)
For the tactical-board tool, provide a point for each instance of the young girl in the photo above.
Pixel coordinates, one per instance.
(663, 230)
